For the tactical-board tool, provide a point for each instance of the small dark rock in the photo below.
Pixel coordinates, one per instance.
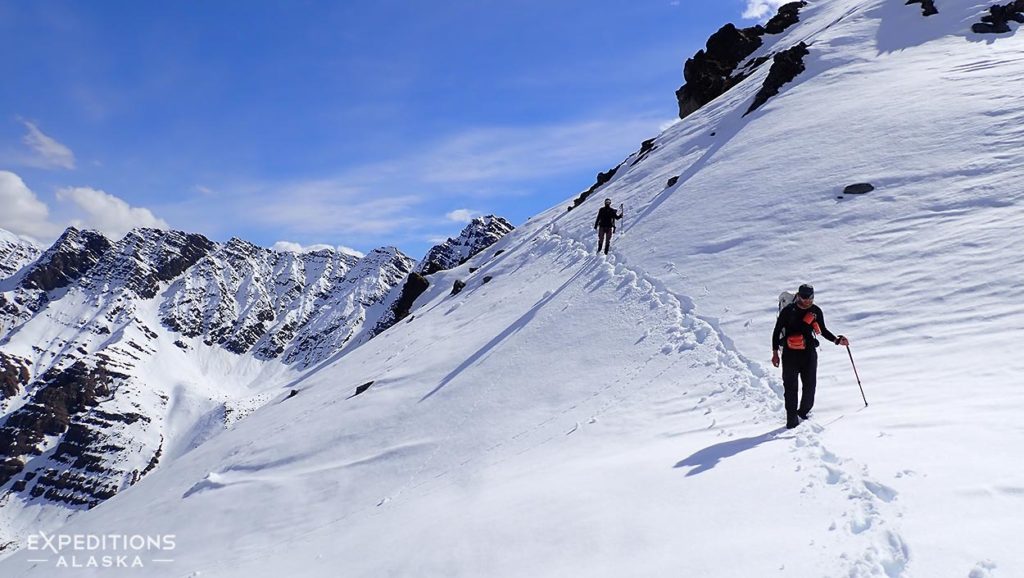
(473, 270)
(499, 252)
(487, 279)
(858, 189)
(458, 286)
(363, 387)
(672, 182)
(292, 393)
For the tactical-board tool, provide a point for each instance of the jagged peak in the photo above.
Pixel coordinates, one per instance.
(476, 236)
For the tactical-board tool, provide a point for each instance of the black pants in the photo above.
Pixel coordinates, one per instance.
(604, 238)
(802, 364)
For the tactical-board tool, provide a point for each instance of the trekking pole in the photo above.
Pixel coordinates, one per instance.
(857, 376)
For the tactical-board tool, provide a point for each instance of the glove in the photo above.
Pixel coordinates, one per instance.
(842, 340)
(775, 358)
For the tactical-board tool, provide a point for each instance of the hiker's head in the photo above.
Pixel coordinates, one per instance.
(607, 202)
(805, 294)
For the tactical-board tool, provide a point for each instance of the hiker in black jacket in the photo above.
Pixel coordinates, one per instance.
(605, 225)
(795, 331)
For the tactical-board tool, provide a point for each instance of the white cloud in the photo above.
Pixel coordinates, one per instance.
(290, 247)
(48, 152)
(462, 215)
(510, 154)
(105, 212)
(23, 213)
(287, 247)
(762, 9)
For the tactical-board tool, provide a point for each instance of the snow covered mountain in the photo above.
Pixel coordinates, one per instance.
(571, 414)
(480, 233)
(15, 253)
(117, 356)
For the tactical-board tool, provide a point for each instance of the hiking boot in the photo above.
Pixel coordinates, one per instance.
(792, 422)
(803, 414)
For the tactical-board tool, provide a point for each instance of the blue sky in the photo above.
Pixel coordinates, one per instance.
(345, 123)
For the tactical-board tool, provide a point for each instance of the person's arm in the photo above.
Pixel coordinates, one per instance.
(598, 219)
(837, 339)
(777, 339)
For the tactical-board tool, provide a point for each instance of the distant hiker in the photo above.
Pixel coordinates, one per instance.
(795, 331)
(605, 225)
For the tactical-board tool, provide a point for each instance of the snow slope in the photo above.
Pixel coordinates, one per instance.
(592, 416)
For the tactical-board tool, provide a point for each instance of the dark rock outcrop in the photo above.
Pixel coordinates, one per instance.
(415, 285)
(602, 179)
(927, 6)
(13, 375)
(67, 260)
(788, 15)
(713, 71)
(998, 19)
(64, 394)
(458, 286)
(787, 65)
(646, 148)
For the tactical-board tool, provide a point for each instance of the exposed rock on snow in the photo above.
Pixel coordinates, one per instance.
(602, 179)
(415, 285)
(787, 66)
(713, 71)
(927, 6)
(998, 18)
(858, 189)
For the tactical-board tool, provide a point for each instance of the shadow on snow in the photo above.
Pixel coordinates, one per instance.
(709, 457)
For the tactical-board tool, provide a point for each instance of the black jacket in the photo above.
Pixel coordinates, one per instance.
(606, 218)
(795, 328)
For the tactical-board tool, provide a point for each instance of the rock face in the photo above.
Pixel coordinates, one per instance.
(998, 19)
(111, 352)
(786, 66)
(299, 308)
(481, 233)
(713, 71)
(15, 253)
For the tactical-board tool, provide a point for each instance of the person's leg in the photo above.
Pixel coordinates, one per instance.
(600, 239)
(790, 372)
(606, 238)
(809, 378)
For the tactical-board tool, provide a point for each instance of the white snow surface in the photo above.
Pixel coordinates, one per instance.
(582, 415)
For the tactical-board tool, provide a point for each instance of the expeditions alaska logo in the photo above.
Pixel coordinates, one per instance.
(100, 551)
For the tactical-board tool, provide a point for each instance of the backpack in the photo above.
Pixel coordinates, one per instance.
(785, 298)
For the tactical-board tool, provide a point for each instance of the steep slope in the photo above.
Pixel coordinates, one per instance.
(15, 253)
(583, 415)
